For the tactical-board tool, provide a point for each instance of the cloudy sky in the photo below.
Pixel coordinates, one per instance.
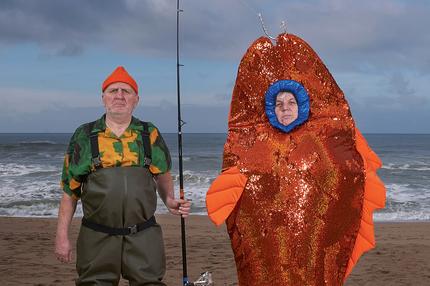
(54, 55)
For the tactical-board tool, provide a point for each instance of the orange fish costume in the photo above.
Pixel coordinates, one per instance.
(298, 200)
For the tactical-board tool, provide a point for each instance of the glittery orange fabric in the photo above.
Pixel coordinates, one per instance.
(298, 217)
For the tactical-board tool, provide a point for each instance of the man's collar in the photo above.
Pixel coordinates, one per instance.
(135, 124)
(100, 124)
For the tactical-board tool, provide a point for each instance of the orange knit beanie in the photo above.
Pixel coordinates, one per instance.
(120, 75)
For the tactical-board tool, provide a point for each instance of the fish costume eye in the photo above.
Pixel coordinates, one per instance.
(302, 99)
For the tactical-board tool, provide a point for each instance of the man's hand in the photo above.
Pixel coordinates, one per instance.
(63, 249)
(178, 207)
(165, 190)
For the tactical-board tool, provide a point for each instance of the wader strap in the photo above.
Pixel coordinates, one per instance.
(119, 231)
(146, 144)
(95, 153)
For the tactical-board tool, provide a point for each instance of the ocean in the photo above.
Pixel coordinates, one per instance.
(30, 171)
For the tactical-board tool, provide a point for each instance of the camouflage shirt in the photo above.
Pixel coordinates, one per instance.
(126, 150)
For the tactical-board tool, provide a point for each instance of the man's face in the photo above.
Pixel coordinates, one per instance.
(286, 109)
(120, 99)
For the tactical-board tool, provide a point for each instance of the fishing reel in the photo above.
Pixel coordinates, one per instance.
(205, 279)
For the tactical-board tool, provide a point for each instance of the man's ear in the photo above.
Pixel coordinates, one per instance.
(103, 98)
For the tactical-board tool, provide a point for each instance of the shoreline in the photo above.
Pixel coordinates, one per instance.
(77, 217)
(401, 256)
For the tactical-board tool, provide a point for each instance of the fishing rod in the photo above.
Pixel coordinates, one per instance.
(205, 278)
(181, 175)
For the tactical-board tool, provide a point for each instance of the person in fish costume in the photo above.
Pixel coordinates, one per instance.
(298, 198)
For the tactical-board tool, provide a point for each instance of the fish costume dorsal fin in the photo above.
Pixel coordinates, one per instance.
(297, 199)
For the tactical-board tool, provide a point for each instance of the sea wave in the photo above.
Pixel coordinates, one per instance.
(408, 167)
(406, 193)
(14, 169)
(50, 209)
(39, 142)
(33, 209)
(33, 190)
(423, 215)
(203, 178)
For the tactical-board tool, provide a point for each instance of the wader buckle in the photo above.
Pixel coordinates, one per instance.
(147, 161)
(133, 229)
(97, 162)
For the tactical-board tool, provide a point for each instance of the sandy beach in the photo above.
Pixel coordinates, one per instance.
(402, 255)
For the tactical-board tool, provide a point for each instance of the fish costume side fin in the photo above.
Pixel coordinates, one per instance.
(224, 193)
(374, 198)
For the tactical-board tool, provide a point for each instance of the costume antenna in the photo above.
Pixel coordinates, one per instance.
(264, 27)
(284, 26)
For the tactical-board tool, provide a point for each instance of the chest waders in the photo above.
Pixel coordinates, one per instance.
(119, 235)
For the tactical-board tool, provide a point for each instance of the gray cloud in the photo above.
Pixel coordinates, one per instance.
(400, 85)
(348, 34)
(67, 27)
(369, 35)
(394, 104)
(379, 48)
(70, 50)
(374, 119)
(393, 93)
(222, 97)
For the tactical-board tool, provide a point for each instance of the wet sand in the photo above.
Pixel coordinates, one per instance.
(402, 255)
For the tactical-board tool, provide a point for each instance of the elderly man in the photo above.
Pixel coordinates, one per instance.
(114, 165)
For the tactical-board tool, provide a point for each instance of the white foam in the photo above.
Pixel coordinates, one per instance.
(403, 216)
(404, 193)
(407, 202)
(37, 210)
(196, 181)
(14, 169)
(38, 142)
(11, 192)
(418, 167)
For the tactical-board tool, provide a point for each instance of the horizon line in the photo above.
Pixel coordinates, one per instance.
(368, 133)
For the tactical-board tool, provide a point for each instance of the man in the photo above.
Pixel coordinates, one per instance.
(114, 165)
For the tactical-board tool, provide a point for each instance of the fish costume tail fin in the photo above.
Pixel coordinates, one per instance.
(374, 198)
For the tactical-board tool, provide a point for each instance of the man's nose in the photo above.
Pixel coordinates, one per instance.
(120, 93)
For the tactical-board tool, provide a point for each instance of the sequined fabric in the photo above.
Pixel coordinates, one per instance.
(298, 217)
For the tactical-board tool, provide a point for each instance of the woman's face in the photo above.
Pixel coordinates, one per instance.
(286, 109)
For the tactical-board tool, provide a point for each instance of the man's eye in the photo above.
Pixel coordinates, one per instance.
(126, 91)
